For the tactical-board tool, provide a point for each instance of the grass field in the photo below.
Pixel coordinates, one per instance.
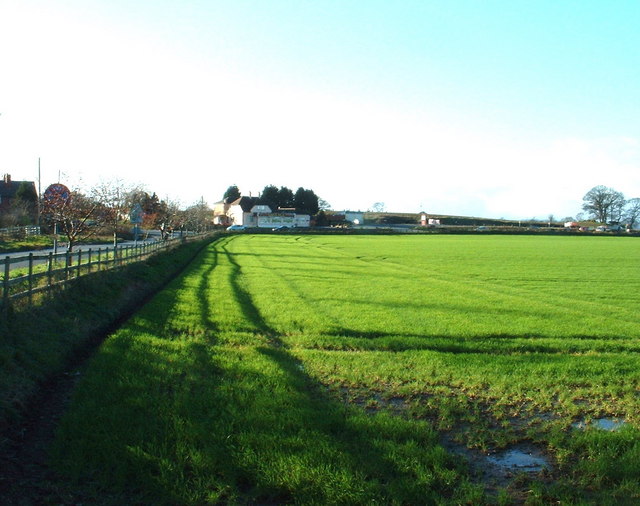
(30, 243)
(360, 370)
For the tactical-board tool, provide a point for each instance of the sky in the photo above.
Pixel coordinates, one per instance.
(494, 108)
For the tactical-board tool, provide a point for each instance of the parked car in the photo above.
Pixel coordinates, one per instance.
(280, 228)
(236, 228)
(602, 228)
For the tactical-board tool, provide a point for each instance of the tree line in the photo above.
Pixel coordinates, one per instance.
(107, 208)
(304, 201)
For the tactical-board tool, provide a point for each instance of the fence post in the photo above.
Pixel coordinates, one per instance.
(79, 263)
(50, 271)
(67, 261)
(99, 261)
(89, 262)
(30, 278)
(5, 284)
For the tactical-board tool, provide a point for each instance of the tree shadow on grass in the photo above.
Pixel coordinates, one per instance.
(133, 416)
(380, 457)
(500, 344)
(287, 419)
(204, 291)
(158, 317)
(188, 421)
(245, 301)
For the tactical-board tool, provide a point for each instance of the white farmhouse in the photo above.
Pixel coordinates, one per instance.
(247, 212)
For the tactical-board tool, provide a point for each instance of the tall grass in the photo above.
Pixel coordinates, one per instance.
(327, 369)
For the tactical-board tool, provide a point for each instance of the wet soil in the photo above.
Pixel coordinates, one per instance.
(509, 468)
(512, 467)
(607, 424)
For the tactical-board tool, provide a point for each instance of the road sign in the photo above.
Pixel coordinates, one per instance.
(56, 194)
(136, 214)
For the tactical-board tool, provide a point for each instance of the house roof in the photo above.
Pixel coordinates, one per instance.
(246, 203)
(8, 188)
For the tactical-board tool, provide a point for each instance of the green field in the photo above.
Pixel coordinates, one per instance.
(371, 369)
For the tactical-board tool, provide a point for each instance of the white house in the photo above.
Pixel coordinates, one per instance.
(247, 212)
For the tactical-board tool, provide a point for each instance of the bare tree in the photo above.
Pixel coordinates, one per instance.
(114, 197)
(162, 215)
(632, 212)
(323, 205)
(198, 216)
(75, 215)
(378, 207)
(604, 204)
(167, 217)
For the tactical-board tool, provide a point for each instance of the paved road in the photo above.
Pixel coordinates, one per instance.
(41, 256)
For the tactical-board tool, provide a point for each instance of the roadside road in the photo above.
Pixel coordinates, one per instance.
(41, 256)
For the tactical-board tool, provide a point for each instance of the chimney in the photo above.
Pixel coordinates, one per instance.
(7, 179)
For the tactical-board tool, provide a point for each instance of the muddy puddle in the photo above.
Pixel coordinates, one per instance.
(528, 460)
(499, 469)
(608, 424)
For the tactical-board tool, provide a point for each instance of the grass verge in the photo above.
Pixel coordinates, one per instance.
(40, 342)
(30, 243)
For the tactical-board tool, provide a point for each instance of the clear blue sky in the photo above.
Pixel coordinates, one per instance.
(493, 108)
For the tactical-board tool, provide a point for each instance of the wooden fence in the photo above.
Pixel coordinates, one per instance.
(19, 232)
(30, 274)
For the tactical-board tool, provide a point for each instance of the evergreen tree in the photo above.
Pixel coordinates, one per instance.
(305, 201)
(25, 205)
(269, 197)
(232, 193)
(285, 197)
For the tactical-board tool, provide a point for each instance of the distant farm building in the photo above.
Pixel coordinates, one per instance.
(355, 217)
(425, 221)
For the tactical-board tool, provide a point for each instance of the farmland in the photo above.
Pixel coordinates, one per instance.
(391, 369)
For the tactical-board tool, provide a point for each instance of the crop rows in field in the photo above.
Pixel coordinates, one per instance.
(350, 369)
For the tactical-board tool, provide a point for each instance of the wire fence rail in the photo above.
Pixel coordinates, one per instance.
(30, 274)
